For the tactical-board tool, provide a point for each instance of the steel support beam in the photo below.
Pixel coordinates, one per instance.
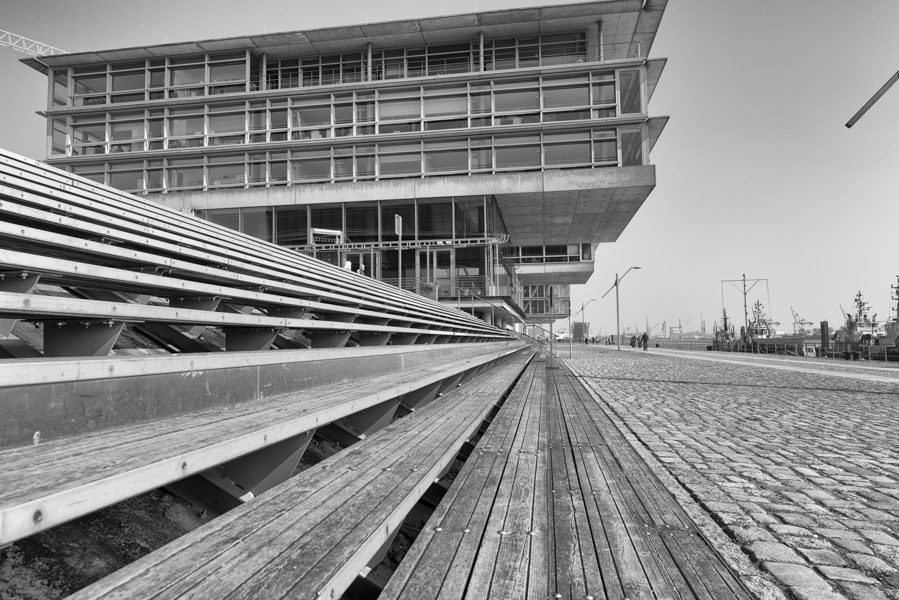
(80, 338)
(18, 282)
(353, 428)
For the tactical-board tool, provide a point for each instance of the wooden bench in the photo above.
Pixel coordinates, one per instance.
(256, 421)
(312, 535)
(133, 264)
(77, 210)
(556, 504)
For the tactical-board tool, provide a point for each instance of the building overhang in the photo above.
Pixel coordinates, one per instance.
(623, 22)
(573, 273)
(562, 206)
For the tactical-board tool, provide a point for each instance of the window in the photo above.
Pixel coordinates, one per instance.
(569, 153)
(517, 156)
(187, 76)
(435, 219)
(226, 123)
(631, 148)
(517, 100)
(629, 82)
(406, 210)
(446, 160)
(361, 222)
(399, 109)
(257, 222)
(227, 174)
(58, 137)
(566, 96)
(129, 180)
(451, 105)
(292, 228)
(186, 126)
(312, 115)
(226, 217)
(228, 72)
(90, 84)
(128, 81)
(399, 164)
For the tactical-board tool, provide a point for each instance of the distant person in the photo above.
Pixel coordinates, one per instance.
(633, 341)
(348, 266)
(644, 341)
(361, 269)
(586, 341)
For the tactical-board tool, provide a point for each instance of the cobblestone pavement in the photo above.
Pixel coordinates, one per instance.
(800, 469)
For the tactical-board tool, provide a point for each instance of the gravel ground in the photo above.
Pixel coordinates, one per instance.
(800, 470)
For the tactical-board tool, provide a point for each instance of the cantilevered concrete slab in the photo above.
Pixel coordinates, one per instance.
(570, 206)
(622, 22)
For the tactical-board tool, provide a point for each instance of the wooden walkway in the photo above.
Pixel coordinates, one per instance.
(556, 504)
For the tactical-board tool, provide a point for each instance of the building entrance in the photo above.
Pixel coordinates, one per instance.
(436, 266)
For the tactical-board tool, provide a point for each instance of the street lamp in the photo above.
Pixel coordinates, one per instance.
(617, 316)
(570, 332)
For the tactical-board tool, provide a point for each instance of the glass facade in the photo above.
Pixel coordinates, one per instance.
(243, 119)
(241, 71)
(352, 123)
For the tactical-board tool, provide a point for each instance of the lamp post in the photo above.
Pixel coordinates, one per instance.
(617, 313)
(570, 332)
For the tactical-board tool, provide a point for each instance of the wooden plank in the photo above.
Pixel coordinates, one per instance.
(542, 561)
(303, 509)
(618, 522)
(439, 562)
(569, 573)
(674, 553)
(81, 475)
(513, 560)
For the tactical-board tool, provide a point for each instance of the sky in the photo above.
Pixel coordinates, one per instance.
(756, 173)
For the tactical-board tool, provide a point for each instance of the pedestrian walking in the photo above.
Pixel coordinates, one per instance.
(644, 341)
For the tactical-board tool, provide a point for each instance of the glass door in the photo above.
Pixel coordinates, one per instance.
(436, 267)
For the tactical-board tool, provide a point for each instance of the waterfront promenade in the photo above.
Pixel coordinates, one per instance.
(789, 466)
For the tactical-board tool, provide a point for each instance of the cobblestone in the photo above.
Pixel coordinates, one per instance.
(809, 459)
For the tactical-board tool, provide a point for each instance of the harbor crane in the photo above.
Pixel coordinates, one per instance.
(798, 322)
(17, 43)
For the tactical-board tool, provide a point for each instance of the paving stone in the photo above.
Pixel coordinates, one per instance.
(838, 533)
(794, 519)
(843, 574)
(852, 546)
(816, 594)
(796, 576)
(816, 542)
(822, 557)
(871, 564)
(879, 537)
(763, 518)
(746, 535)
(774, 552)
(860, 591)
(790, 530)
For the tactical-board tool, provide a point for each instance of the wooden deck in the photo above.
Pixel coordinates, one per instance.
(556, 504)
(313, 534)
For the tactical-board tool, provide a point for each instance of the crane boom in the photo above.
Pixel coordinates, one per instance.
(17, 43)
(873, 99)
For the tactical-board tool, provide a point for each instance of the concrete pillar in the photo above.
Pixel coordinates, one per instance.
(594, 41)
(481, 59)
(369, 61)
(486, 316)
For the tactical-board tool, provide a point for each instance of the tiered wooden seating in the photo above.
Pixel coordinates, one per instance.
(111, 249)
(556, 504)
(312, 535)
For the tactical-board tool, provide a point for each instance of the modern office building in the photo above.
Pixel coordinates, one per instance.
(477, 158)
